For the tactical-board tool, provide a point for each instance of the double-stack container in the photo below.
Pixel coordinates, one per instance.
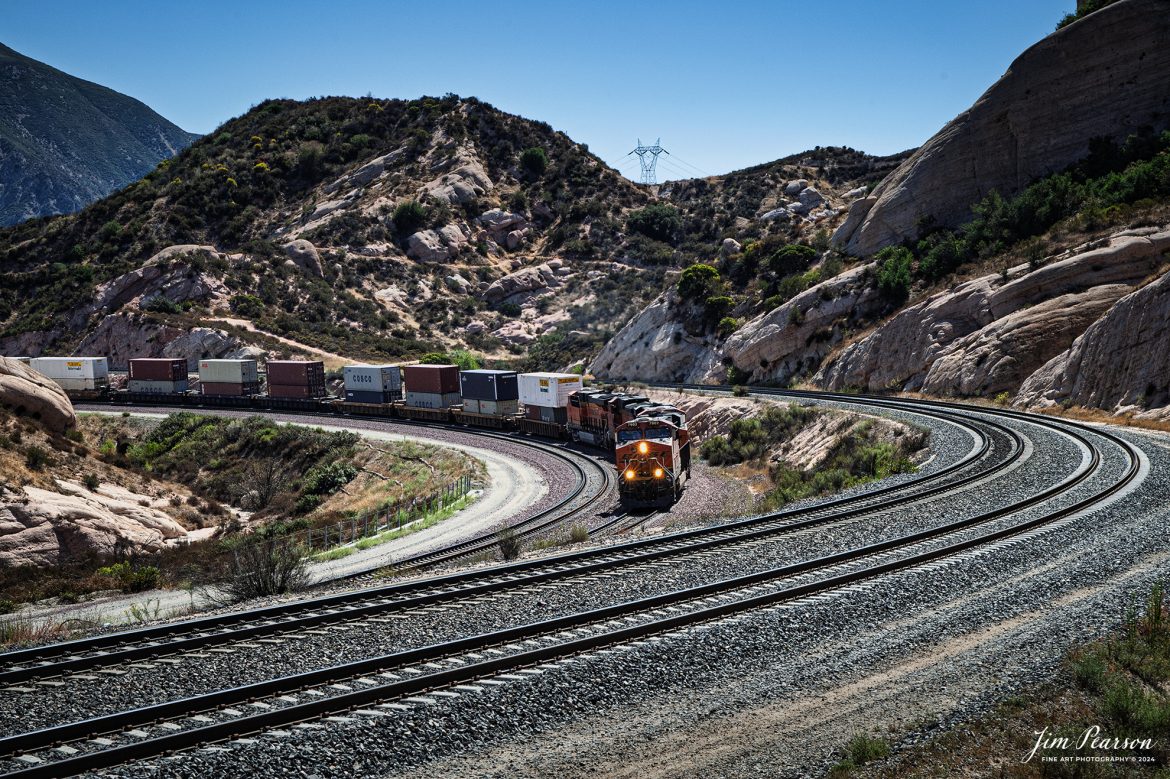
(74, 373)
(372, 383)
(158, 376)
(431, 386)
(492, 393)
(546, 395)
(296, 379)
(229, 377)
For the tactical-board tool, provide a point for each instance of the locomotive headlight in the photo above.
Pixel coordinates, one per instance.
(630, 475)
(658, 473)
(643, 448)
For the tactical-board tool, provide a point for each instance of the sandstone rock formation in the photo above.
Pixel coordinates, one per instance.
(524, 284)
(794, 338)
(988, 334)
(120, 337)
(29, 392)
(655, 346)
(42, 527)
(1105, 75)
(1121, 363)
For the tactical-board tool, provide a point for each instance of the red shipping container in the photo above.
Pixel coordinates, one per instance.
(303, 373)
(230, 388)
(437, 379)
(158, 369)
(295, 391)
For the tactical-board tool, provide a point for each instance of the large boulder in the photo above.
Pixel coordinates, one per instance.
(1106, 75)
(792, 339)
(524, 284)
(656, 346)
(466, 183)
(366, 174)
(1121, 363)
(30, 392)
(304, 255)
(43, 527)
(427, 246)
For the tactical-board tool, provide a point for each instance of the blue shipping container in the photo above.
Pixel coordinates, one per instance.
(360, 396)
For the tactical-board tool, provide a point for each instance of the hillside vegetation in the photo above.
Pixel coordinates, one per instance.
(380, 229)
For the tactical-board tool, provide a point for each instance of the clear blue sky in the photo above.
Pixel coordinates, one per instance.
(726, 85)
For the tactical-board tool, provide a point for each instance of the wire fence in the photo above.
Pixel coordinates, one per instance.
(392, 517)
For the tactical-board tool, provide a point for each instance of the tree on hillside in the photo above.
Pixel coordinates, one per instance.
(698, 282)
(534, 161)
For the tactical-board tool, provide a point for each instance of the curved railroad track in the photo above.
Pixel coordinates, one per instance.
(383, 682)
(55, 660)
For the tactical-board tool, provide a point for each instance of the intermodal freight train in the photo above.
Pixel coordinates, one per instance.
(649, 440)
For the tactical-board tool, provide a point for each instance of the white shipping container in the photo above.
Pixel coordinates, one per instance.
(549, 390)
(498, 408)
(228, 371)
(73, 368)
(75, 385)
(147, 386)
(372, 378)
(471, 405)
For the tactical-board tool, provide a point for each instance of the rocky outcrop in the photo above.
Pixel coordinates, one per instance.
(793, 339)
(655, 346)
(41, 527)
(29, 392)
(168, 274)
(988, 334)
(1106, 75)
(1121, 363)
(304, 255)
(366, 174)
(121, 337)
(465, 184)
(525, 284)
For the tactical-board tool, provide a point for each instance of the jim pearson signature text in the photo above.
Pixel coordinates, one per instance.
(1091, 738)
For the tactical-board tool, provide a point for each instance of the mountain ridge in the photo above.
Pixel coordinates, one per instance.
(66, 142)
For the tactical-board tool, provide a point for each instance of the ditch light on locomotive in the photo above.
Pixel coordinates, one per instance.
(653, 456)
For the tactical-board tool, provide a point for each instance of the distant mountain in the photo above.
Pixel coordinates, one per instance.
(65, 142)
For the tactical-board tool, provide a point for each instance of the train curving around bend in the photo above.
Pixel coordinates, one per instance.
(649, 440)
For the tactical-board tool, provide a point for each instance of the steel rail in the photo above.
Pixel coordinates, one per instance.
(38, 662)
(349, 700)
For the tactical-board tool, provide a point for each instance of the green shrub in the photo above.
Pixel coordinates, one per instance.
(659, 222)
(698, 282)
(248, 306)
(92, 482)
(717, 451)
(793, 258)
(36, 458)
(578, 533)
(409, 216)
(509, 544)
(727, 326)
(160, 304)
(534, 161)
(328, 479)
(893, 275)
(132, 578)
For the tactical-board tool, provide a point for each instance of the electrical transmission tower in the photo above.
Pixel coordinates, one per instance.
(648, 159)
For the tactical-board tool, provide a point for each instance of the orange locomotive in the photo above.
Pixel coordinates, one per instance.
(653, 458)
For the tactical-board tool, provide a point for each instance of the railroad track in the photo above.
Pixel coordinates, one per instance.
(433, 670)
(57, 660)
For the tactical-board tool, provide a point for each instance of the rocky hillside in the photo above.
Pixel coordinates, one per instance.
(65, 142)
(371, 229)
(1105, 76)
(1051, 287)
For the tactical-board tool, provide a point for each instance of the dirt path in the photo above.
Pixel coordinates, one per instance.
(331, 359)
